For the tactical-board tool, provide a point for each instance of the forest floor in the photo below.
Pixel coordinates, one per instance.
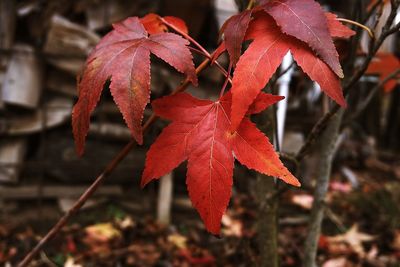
(361, 228)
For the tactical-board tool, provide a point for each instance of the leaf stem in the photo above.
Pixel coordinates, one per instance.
(250, 4)
(226, 81)
(197, 51)
(367, 29)
(199, 46)
(371, 94)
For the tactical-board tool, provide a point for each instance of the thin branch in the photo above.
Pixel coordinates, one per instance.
(372, 10)
(198, 51)
(371, 94)
(321, 124)
(93, 187)
(226, 81)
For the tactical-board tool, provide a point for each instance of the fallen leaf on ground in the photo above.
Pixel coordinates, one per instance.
(341, 187)
(338, 262)
(178, 240)
(303, 200)
(70, 262)
(396, 240)
(232, 227)
(354, 239)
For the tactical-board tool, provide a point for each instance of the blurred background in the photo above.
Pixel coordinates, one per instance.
(43, 46)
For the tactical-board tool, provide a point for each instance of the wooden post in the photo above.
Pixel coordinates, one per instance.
(164, 204)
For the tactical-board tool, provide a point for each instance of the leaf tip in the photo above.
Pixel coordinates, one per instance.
(218, 236)
(80, 150)
(290, 179)
(144, 181)
(297, 183)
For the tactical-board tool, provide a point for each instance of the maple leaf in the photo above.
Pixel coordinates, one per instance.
(234, 31)
(235, 28)
(153, 23)
(123, 56)
(264, 55)
(353, 238)
(383, 65)
(306, 20)
(336, 28)
(200, 133)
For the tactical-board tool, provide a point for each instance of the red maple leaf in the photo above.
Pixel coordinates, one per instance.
(234, 27)
(336, 28)
(200, 133)
(263, 57)
(383, 65)
(234, 30)
(123, 56)
(306, 20)
(153, 23)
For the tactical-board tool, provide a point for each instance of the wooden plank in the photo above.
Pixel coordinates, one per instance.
(12, 153)
(23, 82)
(7, 32)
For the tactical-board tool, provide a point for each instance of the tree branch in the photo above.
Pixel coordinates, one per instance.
(371, 94)
(322, 123)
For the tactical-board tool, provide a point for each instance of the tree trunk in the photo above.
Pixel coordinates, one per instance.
(267, 221)
(326, 154)
(268, 206)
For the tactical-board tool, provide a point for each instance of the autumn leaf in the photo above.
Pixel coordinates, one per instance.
(264, 55)
(200, 133)
(353, 238)
(306, 20)
(336, 28)
(234, 31)
(383, 65)
(154, 24)
(123, 56)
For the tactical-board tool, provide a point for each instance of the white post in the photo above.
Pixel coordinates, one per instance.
(165, 199)
(284, 83)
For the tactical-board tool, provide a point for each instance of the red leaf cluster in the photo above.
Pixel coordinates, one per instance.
(208, 134)
(277, 27)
